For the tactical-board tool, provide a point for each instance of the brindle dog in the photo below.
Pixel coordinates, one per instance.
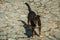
(33, 19)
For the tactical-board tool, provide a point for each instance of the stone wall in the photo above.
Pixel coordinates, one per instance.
(14, 12)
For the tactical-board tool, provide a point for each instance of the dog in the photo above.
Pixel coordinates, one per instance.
(33, 19)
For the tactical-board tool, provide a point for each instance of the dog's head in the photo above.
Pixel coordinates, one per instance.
(37, 17)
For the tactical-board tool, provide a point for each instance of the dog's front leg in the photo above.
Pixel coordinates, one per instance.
(39, 31)
(39, 27)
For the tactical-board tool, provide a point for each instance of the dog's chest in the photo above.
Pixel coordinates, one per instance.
(36, 23)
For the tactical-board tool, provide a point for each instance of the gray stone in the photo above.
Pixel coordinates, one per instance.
(31, 0)
(26, 0)
(46, 38)
(45, 28)
(44, 20)
(12, 36)
(2, 15)
(2, 37)
(46, 33)
(36, 0)
(11, 39)
(52, 38)
(57, 35)
(2, 33)
(22, 39)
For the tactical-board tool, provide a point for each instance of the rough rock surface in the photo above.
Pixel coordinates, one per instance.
(13, 19)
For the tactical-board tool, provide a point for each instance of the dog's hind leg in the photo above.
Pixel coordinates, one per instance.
(32, 32)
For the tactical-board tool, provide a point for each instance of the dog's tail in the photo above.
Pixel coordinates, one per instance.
(28, 7)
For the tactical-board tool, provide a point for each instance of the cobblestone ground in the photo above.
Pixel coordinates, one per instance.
(13, 19)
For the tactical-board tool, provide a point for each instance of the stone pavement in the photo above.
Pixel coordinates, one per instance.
(13, 19)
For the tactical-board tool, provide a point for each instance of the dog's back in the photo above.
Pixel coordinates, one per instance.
(31, 14)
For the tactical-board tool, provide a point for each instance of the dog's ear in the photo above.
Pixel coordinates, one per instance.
(38, 16)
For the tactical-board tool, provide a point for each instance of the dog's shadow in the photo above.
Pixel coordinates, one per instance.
(27, 29)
